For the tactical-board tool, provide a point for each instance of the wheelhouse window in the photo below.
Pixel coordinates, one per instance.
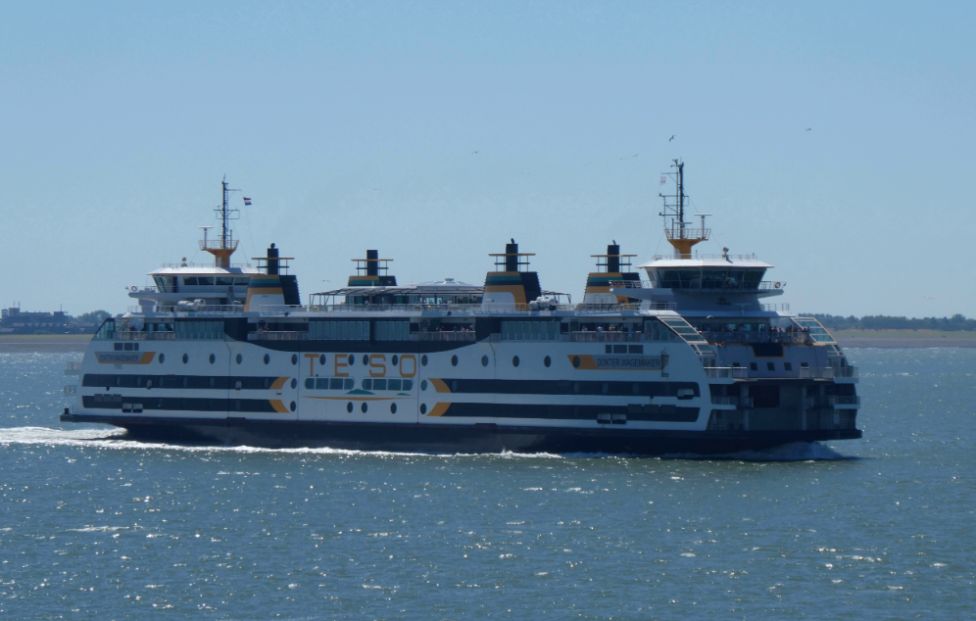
(710, 278)
(165, 283)
(106, 331)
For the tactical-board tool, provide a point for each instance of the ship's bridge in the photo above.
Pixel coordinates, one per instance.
(705, 283)
(710, 274)
(210, 285)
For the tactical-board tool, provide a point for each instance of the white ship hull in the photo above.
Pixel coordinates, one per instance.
(450, 394)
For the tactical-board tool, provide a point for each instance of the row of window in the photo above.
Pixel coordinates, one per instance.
(219, 382)
(351, 359)
(364, 407)
(771, 366)
(347, 383)
(212, 358)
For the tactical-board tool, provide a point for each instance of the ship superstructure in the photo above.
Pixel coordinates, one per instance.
(690, 361)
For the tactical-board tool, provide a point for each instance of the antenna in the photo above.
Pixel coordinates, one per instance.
(225, 245)
(678, 232)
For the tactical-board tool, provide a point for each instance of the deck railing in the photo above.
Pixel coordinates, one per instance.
(726, 372)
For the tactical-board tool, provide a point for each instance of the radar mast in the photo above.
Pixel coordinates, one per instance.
(680, 234)
(225, 245)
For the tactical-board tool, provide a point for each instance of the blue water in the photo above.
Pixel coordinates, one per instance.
(93, 527)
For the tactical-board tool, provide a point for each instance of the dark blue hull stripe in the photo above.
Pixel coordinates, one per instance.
(655, 413)
(567, 387)
(220, 382)
(176, 404)
(456, 385)
(453, 438)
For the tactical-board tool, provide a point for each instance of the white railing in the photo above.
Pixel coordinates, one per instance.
(456, 336)
(727, 336)
(846, 371)
(277, 335)
(727, 372)
(709, 256)
(139, 335)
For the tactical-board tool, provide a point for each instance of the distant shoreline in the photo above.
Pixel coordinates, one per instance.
(905, 338)
(886, 339)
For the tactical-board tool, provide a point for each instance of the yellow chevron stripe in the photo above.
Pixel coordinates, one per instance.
(440, 409)
(440, 385)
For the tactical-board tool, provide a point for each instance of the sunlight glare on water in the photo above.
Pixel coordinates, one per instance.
(97, 526)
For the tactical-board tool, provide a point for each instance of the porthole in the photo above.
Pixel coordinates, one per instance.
(576, 362)
(352, 360)
(515, 361)
(322, 359)
(423, 408)
(186, 358)
(364, 407)
(162, 357)
(294, 359)
(454, 361)
(365, 360)
(484, 361)
(267, 358)
(213, 358)
(349, 407)
(396, 360)
(393, 408)
(293, 406)
(423, 385)
(547, 361)
(294, 382)
(423, 360)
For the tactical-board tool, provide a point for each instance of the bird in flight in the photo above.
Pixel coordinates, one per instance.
(671, 138)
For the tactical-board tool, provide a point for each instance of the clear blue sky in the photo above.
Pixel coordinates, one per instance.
(435, 131)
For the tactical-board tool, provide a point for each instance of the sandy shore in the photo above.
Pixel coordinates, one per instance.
(891, 339)
(47, 343)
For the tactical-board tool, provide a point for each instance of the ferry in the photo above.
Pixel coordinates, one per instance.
(683, 356)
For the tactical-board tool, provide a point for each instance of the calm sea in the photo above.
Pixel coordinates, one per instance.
(94, 527)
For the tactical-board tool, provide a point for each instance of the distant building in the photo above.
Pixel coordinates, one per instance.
(15, 321)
